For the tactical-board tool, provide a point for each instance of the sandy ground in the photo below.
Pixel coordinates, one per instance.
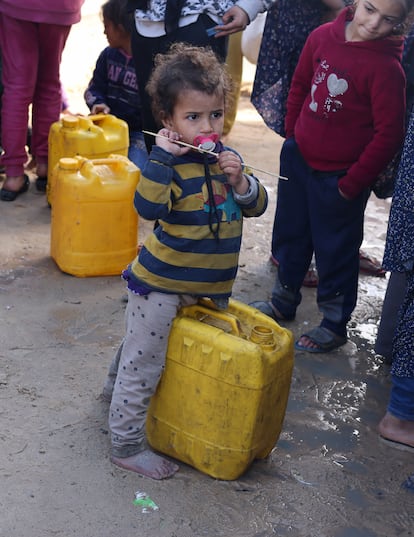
(328, 476)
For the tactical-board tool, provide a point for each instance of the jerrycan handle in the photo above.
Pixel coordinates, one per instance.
(108, 161)
(200, 312)
(96, 117)
(102, 161)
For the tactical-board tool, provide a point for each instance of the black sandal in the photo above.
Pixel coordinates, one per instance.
(323, 340)
(11, 195)
(41, 183)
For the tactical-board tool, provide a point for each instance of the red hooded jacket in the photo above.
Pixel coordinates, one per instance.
(346, 104)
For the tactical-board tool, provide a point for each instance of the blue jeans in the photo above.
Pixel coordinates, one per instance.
(137, 151)
(401, 404)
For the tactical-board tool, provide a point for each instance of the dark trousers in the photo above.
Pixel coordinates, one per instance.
(394, 298)
(144, 50)
(311, 216)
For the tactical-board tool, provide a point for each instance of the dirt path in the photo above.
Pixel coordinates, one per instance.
(328, 476)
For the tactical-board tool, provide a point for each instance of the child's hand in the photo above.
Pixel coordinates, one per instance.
(234, 20)
(101, 108)
(231, 165)
(166, 141)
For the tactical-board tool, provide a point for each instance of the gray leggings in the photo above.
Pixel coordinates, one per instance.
(137, 367)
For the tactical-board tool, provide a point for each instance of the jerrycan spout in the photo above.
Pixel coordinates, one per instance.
(263, 336)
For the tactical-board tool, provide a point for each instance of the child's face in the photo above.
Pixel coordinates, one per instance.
(196, 113)
(375, 19)
(115, 34)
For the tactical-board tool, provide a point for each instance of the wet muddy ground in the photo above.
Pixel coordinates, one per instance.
(328, 476)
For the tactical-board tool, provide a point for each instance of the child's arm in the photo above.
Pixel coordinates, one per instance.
(153, 196)
(388, 110)
(95, 94)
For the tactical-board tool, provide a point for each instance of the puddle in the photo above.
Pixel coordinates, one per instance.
(355, 532)
(9, 276)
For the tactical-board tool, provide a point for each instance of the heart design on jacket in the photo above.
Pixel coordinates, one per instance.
(336, 86)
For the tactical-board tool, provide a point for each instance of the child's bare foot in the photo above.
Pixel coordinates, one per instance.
(306, 343)
(147, 463)
(396, 432)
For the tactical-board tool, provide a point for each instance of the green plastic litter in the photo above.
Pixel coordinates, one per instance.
(144, 501)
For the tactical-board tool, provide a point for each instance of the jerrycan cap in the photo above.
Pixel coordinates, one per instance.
(70, 122)
(208, 143)
(67, 163)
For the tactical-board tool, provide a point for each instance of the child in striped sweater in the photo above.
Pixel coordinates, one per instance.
(198, 200)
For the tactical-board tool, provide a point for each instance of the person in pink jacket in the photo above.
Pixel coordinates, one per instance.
(33, 34)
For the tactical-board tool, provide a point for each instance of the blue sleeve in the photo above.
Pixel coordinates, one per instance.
(96, 91)
(153, 197)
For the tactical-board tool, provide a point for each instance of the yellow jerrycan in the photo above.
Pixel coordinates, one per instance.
(222, 398)
(95, 136)
(94, 227)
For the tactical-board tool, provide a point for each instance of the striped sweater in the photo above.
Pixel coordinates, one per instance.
(190, 252)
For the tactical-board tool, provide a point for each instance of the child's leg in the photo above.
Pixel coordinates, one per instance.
(141, 361)
(112, 374)
(401, 404)
(47, 98)
(18, 42)
(337, 229)
(397, 426)
(291, 240)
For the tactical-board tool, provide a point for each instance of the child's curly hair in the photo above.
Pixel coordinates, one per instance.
(186, 67)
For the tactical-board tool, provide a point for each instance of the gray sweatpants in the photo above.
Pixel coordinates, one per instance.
(137, 367)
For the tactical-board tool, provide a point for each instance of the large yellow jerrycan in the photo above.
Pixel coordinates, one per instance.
(222, 398)
(95, 136)
(94, 228)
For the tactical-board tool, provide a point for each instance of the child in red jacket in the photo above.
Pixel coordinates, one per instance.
(344, 123)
